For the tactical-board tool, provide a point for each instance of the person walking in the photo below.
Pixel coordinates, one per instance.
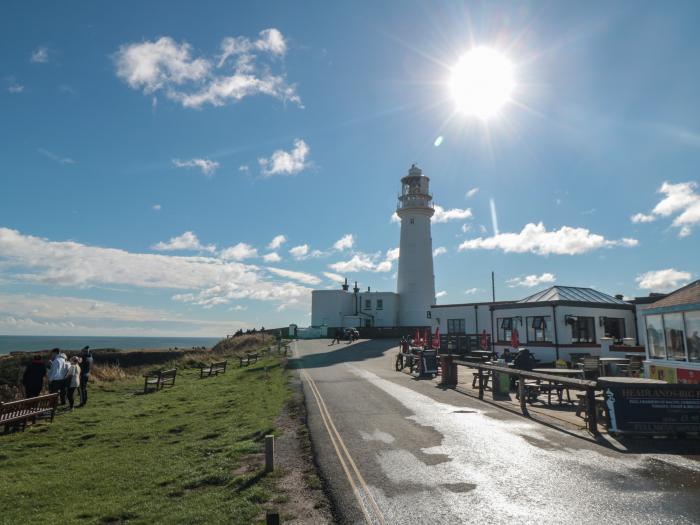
(72, 379)
(85, 367)
(57, 374)
(33, 379)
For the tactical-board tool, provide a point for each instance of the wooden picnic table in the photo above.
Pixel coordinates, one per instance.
(645, 380)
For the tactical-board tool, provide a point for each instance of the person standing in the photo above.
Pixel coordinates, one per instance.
(85, 367)
(57, 374)
(33, 379)
(72, 380)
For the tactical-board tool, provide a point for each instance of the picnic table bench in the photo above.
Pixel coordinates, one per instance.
(157, 380)
(213, 369)
(17, 413)
(247, 359)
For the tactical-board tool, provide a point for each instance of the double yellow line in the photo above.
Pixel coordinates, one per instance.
(362, 493)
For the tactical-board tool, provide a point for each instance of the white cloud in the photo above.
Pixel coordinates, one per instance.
(472, 192)
(335, 277)
(453, 214)
(204, 281)
(344, 243)
(442, 293)
(392, 254)
(276, 242)
(169, 67)
(55, 158)
(208, 167)
(471, 291)
(466, 228)
(272, 257)
(299, 252)
(302, 277)
(157, 207)
(40, 55)
(239, 252)
(680, 199)
(15, 88)
(662, 280)
(186, 241)
(534, 238)
(642, 217)
(286, 162)
(395, 218)
(359, 262)
(440, 250)
(531, 281)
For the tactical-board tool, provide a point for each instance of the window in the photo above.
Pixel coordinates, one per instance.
(455, 326)
(380, 304)
(614, 327)
(692, 335)
(411, 220)
(675, 336)
(505, 328)
(368, 304)
(655, 337)
(582, 329)
(539, 329)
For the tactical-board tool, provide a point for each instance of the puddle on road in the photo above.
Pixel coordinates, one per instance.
(516, 470)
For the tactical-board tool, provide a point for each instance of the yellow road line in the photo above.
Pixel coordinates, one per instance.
(331, 426)
(355, 490)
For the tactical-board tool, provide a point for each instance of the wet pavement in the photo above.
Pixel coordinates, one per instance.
(394, 449)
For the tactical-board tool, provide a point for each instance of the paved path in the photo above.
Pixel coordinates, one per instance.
(398, 450)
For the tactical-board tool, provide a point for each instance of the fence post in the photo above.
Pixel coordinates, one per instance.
(269, 453)
(592, 411)
(522, 395)
(481, 383)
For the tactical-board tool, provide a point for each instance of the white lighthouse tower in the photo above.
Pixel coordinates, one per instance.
(416, 281)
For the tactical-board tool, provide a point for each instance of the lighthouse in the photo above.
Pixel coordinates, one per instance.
(416, 281)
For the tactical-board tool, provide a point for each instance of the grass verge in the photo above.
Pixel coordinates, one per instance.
(187, 454)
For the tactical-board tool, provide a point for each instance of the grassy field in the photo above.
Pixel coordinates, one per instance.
(187, 454)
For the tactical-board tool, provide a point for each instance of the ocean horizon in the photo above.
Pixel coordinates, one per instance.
(42, 343)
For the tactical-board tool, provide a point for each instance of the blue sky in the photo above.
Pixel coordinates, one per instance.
(151, 154)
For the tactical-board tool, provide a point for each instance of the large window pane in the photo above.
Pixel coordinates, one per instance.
(582, 329)
(614, 327)
(655, 337)
(675, 336)
(539, 329)
(455, 326)
(692, 334)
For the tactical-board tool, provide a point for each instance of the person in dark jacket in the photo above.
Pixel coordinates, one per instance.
(33, 379)
(524, 360)
(85, 367)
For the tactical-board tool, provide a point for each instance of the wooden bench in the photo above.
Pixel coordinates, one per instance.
(599, 405)
(15, 414)
(157, 380)
(213, 369)
(248, 359)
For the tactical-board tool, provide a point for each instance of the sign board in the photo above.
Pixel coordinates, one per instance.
(643, 408)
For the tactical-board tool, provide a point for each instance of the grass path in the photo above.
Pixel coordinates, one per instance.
(175, 456)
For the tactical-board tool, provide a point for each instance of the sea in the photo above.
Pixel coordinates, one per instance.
(29, 343)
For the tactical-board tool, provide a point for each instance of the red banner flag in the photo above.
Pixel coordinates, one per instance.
(436, 339)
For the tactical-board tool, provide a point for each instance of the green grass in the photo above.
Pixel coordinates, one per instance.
(187, 454)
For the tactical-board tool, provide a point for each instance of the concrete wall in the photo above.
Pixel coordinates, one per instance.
(387, 316)
(416, 281)
(477, 317)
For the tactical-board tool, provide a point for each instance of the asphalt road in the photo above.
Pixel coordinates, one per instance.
(394, 449)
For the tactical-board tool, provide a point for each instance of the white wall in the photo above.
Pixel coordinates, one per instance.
(328, 307)
(416, 281)
(475, 319)
(547, 351)
(388, 315)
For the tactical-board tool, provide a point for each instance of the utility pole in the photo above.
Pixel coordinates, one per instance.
(493, 287)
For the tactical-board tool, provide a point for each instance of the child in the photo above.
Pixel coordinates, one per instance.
(73, 379)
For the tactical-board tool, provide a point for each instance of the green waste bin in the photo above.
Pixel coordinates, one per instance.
(501, 384)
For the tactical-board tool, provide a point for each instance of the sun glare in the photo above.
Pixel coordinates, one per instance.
(482, 82)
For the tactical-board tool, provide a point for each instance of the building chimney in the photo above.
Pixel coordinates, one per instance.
(356, 289)
(619, 296)
(346, 287)
(368, 289)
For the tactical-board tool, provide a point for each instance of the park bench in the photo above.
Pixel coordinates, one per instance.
(157, 380)
(212, 369)
(15, 414)
(248, 359)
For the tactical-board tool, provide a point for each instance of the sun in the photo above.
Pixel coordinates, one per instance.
(482, 82)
